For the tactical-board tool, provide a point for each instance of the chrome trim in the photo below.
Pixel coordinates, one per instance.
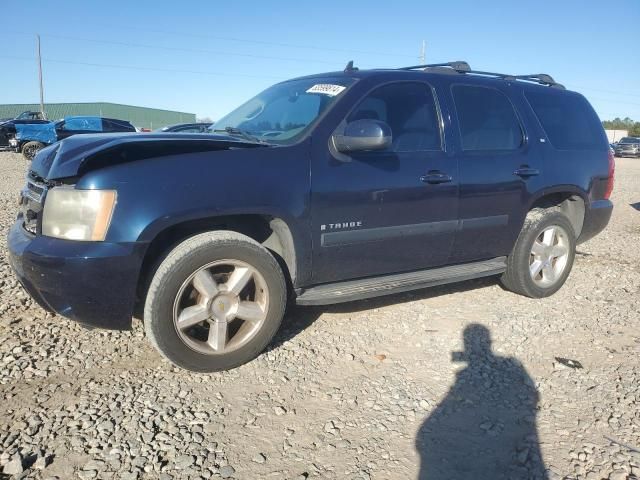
(34, 191)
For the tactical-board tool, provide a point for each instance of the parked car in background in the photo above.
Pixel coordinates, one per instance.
(28, 115)
(31, 138)
(201, 127)
(8, 127)
(628, 147)
(322, 189)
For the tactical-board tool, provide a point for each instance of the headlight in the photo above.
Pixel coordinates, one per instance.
(78, 214)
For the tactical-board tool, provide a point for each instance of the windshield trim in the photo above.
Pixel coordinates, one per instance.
(312, 125)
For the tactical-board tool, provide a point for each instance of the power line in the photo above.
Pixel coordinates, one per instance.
(216, 37)
(612, 92)
(257, 42)
(144, 68)
(211, 73)
(193, 50)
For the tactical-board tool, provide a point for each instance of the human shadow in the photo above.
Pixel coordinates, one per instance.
(485, 428)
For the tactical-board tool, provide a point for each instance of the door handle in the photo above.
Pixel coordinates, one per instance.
(526, 172)
(435, 178)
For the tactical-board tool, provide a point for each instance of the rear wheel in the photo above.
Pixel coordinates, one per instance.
(543, 255)
(30, 149)
(215, 302)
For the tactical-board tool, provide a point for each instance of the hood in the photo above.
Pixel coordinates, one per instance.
(79, 154)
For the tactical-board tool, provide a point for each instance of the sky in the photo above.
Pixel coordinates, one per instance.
(207, 57)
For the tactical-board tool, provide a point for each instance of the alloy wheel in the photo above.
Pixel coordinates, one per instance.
(220, 307)
(549, 256)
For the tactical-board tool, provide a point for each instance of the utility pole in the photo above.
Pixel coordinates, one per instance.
(40, 76)
(423, 53)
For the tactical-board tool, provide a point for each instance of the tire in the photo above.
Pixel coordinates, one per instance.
(181, 285)
(30, 149)
(521, 264)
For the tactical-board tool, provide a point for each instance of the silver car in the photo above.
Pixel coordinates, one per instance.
(628, 147)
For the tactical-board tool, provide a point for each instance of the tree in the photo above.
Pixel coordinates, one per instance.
(626, 124)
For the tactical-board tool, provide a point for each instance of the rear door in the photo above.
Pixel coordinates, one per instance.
(378, 213)
(500, 167)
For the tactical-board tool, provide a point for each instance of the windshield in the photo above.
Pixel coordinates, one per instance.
(283, 112)
(630, 140)
(26, 116)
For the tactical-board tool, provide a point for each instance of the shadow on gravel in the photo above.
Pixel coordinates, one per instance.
(298, 319)
(485, 428)
(636, 205)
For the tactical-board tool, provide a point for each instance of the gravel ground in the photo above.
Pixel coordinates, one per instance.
(367, 390)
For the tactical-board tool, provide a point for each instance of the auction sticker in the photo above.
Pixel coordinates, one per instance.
(326, 89)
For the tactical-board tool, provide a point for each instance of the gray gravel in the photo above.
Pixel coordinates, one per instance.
(367, 390)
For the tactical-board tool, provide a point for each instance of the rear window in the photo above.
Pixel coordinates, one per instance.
(568, 120)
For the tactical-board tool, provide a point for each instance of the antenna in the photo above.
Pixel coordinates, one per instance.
(350, 67)
(423, 52)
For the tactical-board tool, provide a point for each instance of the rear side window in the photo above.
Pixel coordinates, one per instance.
(87, 124)
(568, 120)
(486, 118)
(117, 126)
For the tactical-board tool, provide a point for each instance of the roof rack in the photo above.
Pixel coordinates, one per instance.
(463, 67)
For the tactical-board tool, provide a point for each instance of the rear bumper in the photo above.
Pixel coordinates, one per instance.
(596, 219)
(93, 283)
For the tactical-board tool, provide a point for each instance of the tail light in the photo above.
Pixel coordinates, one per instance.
(612, 170)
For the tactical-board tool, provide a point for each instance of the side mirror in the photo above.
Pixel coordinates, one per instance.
(363, 135)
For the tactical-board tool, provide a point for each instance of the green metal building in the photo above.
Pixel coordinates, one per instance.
(141, 117)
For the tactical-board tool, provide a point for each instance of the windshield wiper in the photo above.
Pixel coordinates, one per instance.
(242, 133)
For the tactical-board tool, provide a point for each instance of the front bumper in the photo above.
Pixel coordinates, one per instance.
(93, 283)
(596, 219)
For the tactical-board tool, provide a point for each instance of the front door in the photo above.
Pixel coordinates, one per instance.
(380, 212)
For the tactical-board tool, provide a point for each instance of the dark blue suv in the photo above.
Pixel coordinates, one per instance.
(327, 188)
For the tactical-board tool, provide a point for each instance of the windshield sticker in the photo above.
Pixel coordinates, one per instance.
(326, 89)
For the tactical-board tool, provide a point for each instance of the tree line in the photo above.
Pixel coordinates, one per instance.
(623, 124)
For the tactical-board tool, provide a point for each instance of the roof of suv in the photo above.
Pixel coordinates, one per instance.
(458, 69)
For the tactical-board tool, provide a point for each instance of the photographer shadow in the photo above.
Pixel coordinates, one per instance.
(485, 428)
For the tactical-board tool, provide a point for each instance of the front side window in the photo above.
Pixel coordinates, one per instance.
(283, 112)
(486, 119)
(410, 110)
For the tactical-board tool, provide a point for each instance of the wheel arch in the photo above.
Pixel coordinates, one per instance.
(274, 233)
(568, 199)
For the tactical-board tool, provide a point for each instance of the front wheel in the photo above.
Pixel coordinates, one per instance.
(215, 302)
(543, 255)
(30, 149)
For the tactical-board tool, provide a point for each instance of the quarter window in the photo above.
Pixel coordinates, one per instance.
(568, 120)
(409, 109)
(486, 118)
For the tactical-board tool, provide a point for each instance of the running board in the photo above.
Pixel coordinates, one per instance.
(401, 282)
